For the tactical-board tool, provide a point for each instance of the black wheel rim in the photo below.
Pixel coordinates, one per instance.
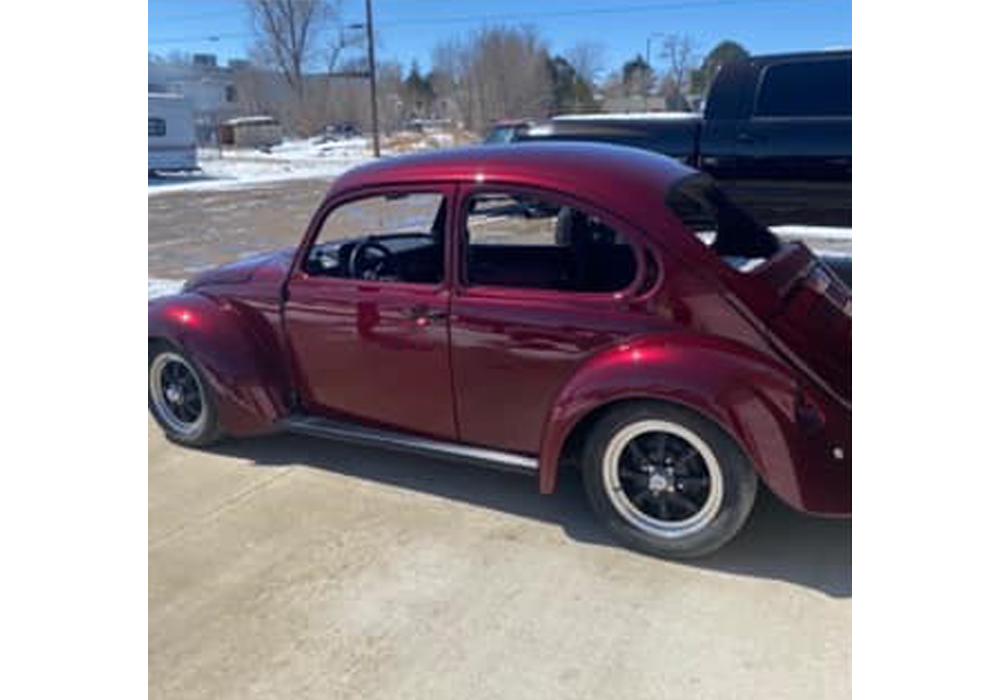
(177, 395)
(181, 392)
(664, 476)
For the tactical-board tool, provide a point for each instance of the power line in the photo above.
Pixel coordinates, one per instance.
(606, 10)
(515, 16)
(203, 15)
(211, 37)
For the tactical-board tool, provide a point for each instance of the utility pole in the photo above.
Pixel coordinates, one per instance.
(371, 79)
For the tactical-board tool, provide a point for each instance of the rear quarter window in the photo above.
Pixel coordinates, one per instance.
(725, 229)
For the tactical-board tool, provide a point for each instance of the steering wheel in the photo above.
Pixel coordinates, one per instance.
(361, 266)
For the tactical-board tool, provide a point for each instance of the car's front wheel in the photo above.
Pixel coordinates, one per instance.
(666, 480)
(180, 398)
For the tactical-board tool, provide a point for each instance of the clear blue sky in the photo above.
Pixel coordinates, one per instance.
(408, 29)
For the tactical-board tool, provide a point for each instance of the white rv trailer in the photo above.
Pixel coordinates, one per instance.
(171, 133)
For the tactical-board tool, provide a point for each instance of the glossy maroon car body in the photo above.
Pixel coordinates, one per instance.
(766, 355)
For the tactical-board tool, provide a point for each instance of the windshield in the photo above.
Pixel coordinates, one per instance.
(726, 229)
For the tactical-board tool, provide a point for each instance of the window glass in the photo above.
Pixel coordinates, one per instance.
(528, 242)
(500, 134)
(722, 226)
(157, 127)
(806, 89)
(394, 238)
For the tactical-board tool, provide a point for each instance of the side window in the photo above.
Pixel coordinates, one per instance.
(393, 238)
(157, 127)
(724, 228)
(528, 242)
(806, 89)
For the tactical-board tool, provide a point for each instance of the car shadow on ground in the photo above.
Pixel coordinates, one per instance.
(777, 542)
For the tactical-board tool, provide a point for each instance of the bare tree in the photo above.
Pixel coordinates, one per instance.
(452, 62)
(587, 59)
(678, 51)
(294, 37)
(495, 73)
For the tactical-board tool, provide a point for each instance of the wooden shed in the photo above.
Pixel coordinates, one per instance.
(250, 132)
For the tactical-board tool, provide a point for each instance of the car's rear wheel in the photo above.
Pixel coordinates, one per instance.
(180, 399)
(666, 480)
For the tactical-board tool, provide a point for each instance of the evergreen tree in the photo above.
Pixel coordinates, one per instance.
(724, 52)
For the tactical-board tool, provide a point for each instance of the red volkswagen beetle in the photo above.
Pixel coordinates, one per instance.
(536, 308)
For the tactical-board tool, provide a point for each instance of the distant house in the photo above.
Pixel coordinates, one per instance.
(250, 132)
(210, 88)
(634, 103)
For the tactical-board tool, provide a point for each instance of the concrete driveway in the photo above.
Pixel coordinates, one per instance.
(289, 567)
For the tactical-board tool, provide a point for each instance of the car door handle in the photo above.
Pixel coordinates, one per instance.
(745, 138)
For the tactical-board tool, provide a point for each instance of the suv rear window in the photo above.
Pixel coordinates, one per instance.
(806, 89)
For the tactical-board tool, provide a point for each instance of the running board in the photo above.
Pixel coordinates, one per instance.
(349, 432)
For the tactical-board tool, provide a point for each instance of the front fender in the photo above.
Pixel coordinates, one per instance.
(751, 395)
(233, 347)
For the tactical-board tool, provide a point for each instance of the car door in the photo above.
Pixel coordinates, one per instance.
(543, 283)
(373, 347)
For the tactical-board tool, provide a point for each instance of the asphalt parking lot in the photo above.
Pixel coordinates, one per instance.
(192, 231)
(296, 568)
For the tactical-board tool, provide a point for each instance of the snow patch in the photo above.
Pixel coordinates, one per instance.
(629, 115)
(828, 233)
(243, 168)
(161, 288)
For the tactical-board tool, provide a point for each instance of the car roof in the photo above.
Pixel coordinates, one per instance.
(628, 180)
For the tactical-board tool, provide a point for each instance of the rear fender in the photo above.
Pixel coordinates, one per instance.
(752, 396)
(231, 345)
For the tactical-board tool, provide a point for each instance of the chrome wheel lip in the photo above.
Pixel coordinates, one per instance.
(623, 505)
(161, 403)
